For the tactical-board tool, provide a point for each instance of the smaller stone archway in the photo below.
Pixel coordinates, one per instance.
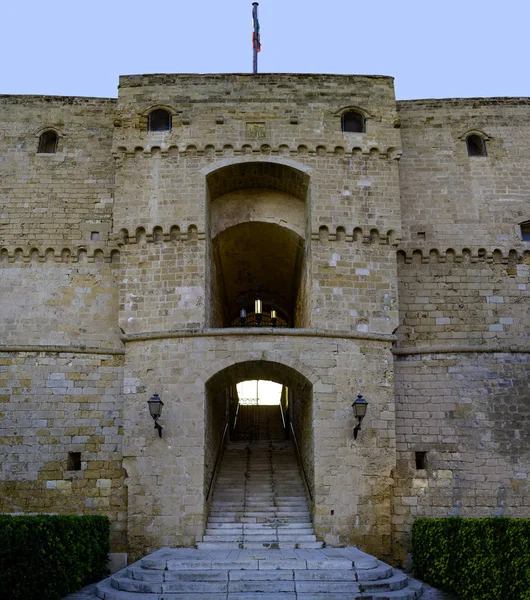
(296, 412)
(259, 246)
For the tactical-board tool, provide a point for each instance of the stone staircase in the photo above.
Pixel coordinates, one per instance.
(284, 574)
(259, 501)
(259, 544)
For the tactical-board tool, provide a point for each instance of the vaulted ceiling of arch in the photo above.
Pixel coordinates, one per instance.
(255, 175)
(259, 253)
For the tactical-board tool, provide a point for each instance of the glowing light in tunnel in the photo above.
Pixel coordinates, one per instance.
(266, 392)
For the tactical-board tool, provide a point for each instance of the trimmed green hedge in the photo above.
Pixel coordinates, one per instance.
(474, 559)
(47, 557)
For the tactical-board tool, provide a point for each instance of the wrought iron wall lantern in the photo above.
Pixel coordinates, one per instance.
(155, 408)
(359, 411)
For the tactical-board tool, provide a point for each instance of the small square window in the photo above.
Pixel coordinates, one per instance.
(74, 461)
(421, 460)
(95, 235)
(421, 235)
(525, 231)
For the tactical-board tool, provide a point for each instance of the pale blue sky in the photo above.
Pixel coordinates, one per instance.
(436, 49)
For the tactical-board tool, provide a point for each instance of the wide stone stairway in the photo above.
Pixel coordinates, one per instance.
(259, 544)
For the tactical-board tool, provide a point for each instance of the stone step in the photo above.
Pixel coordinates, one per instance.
(263, 516)
(249, 545)
(141, 574)
(246, 519)
(105, 591)
(265, 510)
(260, 499)
(283, 524)
(290, 510)
(275, 503)
(259, 537)
(287, 582)
(263, 529)
(176, 586)
(328, 574)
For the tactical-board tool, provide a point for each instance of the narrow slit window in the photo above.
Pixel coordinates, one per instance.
(48, 143)
(353, 121)
(476, 145)
(421, 460)
(159, 120)
(74, 461)
(525, 231)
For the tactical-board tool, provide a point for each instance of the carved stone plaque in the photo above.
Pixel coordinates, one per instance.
(256, 131)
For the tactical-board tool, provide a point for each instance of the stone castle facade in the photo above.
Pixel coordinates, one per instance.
(391, 238)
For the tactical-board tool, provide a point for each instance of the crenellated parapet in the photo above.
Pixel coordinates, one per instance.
(366, 235)
(507, 256)
(157, 234)
(224, 150)
(64, 254)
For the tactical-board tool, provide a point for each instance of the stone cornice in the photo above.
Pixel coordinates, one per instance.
(257, 332)
(63, 349)
(460, 350)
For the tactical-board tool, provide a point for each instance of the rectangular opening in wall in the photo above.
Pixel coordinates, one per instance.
(74, 461)
(94, 235)
(421, 460)
(421, 235)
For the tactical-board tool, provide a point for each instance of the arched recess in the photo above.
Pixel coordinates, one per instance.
(221, 406)
(258, 214)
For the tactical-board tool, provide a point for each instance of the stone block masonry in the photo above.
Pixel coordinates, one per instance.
(394, 259)
(54, 405)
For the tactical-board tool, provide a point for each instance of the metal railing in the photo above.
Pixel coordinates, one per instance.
(306, 480)
(283, 417)
(219, 452)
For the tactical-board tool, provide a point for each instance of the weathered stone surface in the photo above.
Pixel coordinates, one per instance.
(127, 255)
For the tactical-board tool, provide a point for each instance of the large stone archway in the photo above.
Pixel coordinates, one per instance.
(168, 478)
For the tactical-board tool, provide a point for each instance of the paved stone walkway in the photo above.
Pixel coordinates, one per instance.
(87, 593)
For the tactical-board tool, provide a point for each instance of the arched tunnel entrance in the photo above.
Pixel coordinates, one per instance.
(259, 245)
(259, 461)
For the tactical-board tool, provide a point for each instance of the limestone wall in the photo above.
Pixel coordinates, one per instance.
(166, 476)
(354, 284)
(453, 200)
(467, 412)
(123, 228)
(462, 372)
(56, 303)
(462, 358)
(469, 300)
(52, 404)
(281, 137)
(61, 199)
(163, 284)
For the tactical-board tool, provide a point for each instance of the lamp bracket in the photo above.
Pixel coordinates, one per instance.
(158, 427)
(357, 428)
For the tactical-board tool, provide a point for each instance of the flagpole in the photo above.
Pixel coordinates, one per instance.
(255, 37)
